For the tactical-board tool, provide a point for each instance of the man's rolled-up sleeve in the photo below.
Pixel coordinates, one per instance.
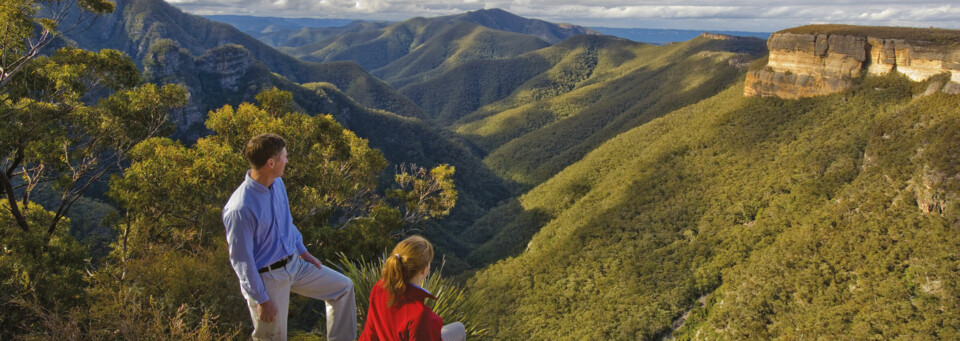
(240, 226)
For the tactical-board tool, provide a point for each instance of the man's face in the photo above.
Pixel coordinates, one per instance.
(279, 162)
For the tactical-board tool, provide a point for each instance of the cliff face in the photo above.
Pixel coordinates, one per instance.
(228, 63)
(810, 64)
(221, 75)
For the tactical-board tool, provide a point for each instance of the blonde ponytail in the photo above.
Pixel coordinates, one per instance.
(408, 258)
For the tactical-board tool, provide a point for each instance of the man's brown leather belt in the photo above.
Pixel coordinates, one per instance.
(278, 264)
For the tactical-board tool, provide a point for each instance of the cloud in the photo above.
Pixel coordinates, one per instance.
(736, 14)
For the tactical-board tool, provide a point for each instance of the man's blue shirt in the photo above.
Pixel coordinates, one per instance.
(260, 231)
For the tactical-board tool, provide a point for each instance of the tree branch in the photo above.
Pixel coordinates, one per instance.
(69, 198)
(12, 200)
(17, 160)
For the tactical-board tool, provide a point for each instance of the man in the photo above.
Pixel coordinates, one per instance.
(268, 255)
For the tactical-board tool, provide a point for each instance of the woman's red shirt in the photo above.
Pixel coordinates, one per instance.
(407, 320)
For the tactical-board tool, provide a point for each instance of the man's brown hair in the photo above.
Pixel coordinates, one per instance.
(263, 147)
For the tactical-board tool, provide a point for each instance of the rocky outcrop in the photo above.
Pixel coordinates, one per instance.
(228, 63)
(218, 71)
(811, 64)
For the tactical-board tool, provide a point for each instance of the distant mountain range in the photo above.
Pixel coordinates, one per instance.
(666, 36)
(420, 48)
(251, 24)
(290, 32)
(417, 49)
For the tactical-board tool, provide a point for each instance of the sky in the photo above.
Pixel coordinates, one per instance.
(742, 15)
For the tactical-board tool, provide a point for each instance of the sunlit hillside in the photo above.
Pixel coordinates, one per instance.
(829, 216)
(419, 48)
(536, 114)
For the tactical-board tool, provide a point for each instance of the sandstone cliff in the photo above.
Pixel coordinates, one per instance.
(822, 59)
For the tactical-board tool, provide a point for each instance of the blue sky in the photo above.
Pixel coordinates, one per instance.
(743, 15)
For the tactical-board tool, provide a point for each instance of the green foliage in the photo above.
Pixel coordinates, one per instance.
(452, 303)
(21, 43)
(18, 25)
(37, 272)
(276, 102)
(97, 6)
(331, 180)
(51, 134)
(423, 194)
(86, 220)
(827, 216)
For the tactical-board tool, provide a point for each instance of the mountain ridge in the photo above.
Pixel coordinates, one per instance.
(136, 24)
(500, 19)
(419, 48)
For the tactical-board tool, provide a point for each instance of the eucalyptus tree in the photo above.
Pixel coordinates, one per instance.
(67, 118)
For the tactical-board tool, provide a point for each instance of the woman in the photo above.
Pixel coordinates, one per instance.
(396, 310)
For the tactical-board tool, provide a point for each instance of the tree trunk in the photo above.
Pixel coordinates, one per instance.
(12, 200)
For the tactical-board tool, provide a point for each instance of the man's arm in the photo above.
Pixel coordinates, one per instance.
(295, 232)
(300, 247)
(240, 226)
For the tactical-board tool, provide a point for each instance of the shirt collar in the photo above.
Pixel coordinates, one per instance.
(254, 184)
(420, 293)
(421, 288)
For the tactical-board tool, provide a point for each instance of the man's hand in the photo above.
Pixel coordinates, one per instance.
(311, 259)
(266, 311)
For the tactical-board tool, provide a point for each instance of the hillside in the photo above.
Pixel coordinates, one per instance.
(416, 49)
(308, 35)
(536, 114)
(137, 24)
(832, 216)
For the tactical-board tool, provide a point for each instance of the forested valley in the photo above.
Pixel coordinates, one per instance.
(577, 186)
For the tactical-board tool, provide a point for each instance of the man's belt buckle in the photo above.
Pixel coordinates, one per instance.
(278, 264)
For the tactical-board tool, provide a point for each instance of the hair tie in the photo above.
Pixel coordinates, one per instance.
(400, 259)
